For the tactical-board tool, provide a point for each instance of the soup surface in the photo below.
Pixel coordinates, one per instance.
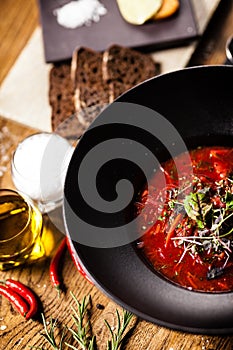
(187, 225)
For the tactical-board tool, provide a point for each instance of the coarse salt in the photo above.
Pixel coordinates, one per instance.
(78, 13)
(39, 167)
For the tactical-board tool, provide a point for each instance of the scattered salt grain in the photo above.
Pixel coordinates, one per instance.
(3, 327)
(5, 158)
(78, 13)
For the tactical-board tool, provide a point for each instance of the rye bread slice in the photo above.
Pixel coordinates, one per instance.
(60, 94)
(91, 92)
(80, 90)
(124, 68)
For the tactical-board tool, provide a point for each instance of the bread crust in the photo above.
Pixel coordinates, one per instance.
(60, 94)
(80, 89)
(124, 68)
(89, 87)
(168, 8)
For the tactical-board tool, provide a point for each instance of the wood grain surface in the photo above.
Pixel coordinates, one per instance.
(18, 18)
(17, 333)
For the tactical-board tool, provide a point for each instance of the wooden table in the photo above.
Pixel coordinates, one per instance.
(15, 332)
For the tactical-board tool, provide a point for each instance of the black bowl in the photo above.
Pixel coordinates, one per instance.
(198, 104)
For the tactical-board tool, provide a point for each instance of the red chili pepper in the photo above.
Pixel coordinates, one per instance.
(26, 294)
(77, 264)
(15, 299)
(54, 265)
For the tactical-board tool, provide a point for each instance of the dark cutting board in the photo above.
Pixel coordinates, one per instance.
(60, 42)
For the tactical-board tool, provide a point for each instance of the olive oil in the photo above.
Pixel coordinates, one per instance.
(20, 230)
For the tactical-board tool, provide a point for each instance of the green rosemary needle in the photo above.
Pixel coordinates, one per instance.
(117, 338)
(82, 322)
(49, 335)
(82, 334)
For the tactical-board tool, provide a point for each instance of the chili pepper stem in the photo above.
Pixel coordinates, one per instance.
(16, 300)
(55, 264)
(58, 289)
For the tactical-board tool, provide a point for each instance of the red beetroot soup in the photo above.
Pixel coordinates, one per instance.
(188, 225)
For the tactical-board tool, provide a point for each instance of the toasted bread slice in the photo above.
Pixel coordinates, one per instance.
(60, 94)
(93, 79)
(90, 89)
(124, 68)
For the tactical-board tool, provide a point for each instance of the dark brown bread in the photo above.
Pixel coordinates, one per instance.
(93, 80)
(90, 90)
(123, 68)
(60, 94)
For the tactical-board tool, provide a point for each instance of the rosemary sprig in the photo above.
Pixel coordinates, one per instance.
(81, 319)
(90, 346)
(82, 335)
(117, 338)
(49, 335)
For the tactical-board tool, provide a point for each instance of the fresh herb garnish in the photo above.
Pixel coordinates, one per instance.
(208, 213)
(117, 338)
(49, 335)
(82, 335)
(80, 316)
(197, 206)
